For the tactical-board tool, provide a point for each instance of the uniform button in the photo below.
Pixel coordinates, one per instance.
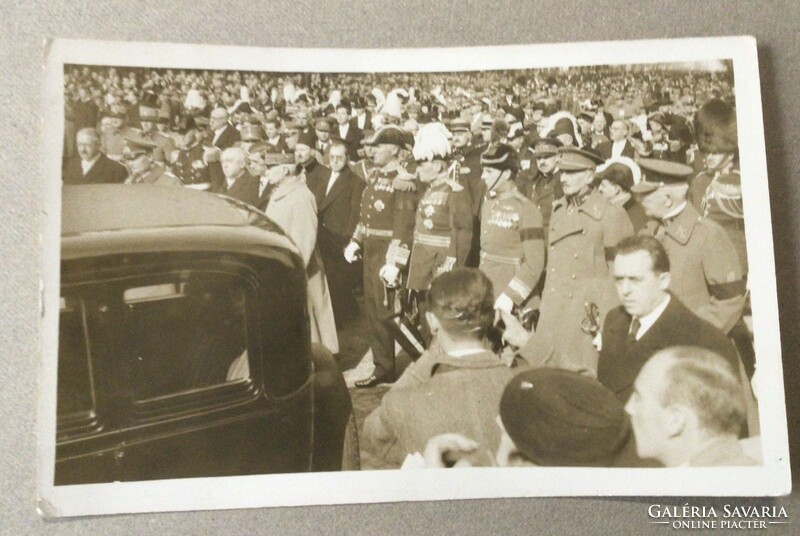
(552, 269)
(570, 295)
(575, 256)
(552, 247)
(583, 231)
(573, 276)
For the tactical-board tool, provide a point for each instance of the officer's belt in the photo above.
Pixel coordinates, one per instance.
(499, 258)
(432, 240)
(378, 233)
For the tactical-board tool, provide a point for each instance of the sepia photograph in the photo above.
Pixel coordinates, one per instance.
(339, 276)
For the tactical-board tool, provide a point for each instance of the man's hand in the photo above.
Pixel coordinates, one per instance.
(515, 333)
(504, 303)
(351, 252)
(449, 450)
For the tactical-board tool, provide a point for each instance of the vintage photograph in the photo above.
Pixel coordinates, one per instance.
(287, 272)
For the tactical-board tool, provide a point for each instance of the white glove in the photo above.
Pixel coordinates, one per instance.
(389, 273)
(504, 303)
(351, 252)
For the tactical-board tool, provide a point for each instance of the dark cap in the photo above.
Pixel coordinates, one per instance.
(500, 156)
(619, 174)
(459, 125)
(574, 159)
(558, 417)
(135, 142)
(545, 147)
(657, 173)
(391, 135)
(563, 126)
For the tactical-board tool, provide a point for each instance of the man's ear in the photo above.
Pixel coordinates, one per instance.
(678, 417)
(433, 322)
(664, 279)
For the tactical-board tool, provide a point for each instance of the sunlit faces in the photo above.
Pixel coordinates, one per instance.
(609, 189)
(547, 163)
(653, 424)
(276, 174)
(88, 145)
(494, 178)
(639, 287)
(618, 131)
(461, 138)
(599, 123)
(256, 165)
(429, 171)
(137, 162)
(576, 182)
(337, 157)
(218, 119)
(303, 154)
(342, 116)
(233, 162)
(384, 153)
(656, 204)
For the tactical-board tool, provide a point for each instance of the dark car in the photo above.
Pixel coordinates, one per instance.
(184, 346)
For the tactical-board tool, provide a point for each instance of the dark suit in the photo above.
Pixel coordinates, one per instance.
(604, 149)
(352, 140)
(245, 188)
(620, 362)
(263, 199)
(338, 212)
(229, 136)
(104, 170)
(317, 176)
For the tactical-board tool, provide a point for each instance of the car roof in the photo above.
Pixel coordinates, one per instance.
(106, 207)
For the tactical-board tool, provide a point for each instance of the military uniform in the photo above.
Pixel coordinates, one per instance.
(512, 244)
(387, 218)
(442, 232)
(706, 274)
(581, 245)
(165, 145)
(718, 197)
(190, 167)
(157, 174)
(469, 161)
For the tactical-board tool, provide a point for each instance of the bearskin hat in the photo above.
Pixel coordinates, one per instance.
(715, 127)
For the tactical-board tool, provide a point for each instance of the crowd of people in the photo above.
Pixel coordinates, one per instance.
(563, 248)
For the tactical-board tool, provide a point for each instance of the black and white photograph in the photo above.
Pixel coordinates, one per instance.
(329, 276)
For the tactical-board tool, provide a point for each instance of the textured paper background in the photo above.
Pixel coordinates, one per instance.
(351, 24)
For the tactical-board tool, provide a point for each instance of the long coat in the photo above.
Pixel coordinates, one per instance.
(621, 361)
(293, 208)
(582, 242)
(104, 170)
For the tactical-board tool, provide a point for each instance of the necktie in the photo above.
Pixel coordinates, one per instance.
(635, 325)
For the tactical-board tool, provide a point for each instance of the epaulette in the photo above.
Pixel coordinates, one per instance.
(404, 182)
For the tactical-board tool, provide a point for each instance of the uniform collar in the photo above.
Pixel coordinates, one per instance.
(680, 226)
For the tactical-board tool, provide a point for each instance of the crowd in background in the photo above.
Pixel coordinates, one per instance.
(535, 187)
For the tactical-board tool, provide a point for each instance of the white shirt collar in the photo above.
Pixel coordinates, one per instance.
(647, 321)
(675, 212)
(86, 165)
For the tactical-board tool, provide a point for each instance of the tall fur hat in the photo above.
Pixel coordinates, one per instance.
(715, 126)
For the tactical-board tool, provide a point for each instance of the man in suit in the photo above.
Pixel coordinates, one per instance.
(618, 145)
(362, 117)
(345, 131)
(239, 183)
(338, 209)
(687, 411)
(306, 155)
(92, 166)
(223, 135)
(650, 317)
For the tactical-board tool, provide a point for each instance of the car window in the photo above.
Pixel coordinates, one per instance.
(184, 333)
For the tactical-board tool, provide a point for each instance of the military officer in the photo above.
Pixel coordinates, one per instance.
(706, 272)
(384, 234)
(584, 230)
(544, 188)
(443, 225)
(187, 161)
(512, 239)
(138, 157)
(164, 145)
(716, 192)
(467, 155)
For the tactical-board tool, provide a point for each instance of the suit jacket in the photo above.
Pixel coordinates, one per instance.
(352, 140)
(104, 170)
(339, 209)
(245, 188)
(317, 176)
(620, 362)
(228, 137)
(604, 149)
